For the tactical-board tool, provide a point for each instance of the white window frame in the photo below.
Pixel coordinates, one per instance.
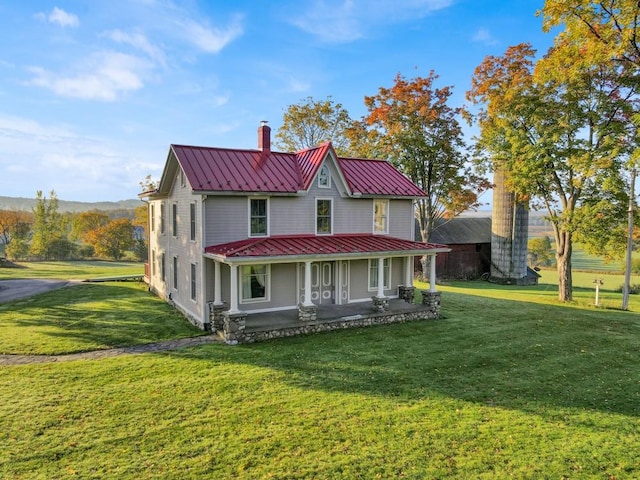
(267, 209)
(373, 278)
(152, 216)
(267, 286)
(324, 173)
(330, 200)
(385, 202)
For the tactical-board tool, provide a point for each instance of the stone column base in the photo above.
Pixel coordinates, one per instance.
(233, 328)
(406, 293)
(216, 316)
(433, 301)
(307, 313)
(380, 304)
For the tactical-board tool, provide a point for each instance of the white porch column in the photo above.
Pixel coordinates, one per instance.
(432, 273)
(408, 272)
(307, 284)
(381, 278)
(217, 288)
(233, 303)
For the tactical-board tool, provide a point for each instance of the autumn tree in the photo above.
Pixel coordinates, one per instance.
(113, 239)
(312, 122)
(85, 222)
(559, 140)
(413, 125)
(15, 229)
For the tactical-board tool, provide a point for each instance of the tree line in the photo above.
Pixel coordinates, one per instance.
(47, 234)
(562, 129)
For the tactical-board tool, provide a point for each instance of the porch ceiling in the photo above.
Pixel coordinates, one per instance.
(312, 246)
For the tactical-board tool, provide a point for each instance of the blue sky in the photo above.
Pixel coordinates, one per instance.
(92, 93)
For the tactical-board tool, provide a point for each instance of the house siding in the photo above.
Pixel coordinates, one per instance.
(187, 251)
(227, 216)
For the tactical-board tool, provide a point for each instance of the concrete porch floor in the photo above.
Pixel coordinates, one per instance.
(258, 322)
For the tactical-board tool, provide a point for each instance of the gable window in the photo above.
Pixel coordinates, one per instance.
(255, 282)
(175, 273)
(162, 217)
(381, 216)
(174, 219)
(258, 221)
(373, 273)
(324, 223)
(324, 177)
(192, 222)
(193, 281)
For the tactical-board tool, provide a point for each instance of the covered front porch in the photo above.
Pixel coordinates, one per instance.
(254, 327)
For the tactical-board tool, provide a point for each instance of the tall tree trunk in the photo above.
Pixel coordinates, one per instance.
(564, 249)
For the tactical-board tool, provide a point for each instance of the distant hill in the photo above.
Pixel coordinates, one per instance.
(27, 204)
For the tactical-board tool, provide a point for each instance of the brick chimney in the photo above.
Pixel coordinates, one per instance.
(264, 137)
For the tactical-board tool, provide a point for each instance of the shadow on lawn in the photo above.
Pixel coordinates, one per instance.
(90, 316)
(494, 352)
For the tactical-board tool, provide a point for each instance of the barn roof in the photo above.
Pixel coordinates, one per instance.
(462, 230)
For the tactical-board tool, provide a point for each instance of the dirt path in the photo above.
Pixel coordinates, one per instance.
(7, 360)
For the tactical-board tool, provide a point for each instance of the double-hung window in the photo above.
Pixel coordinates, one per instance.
(152, 217)
(373, 273)
(192, 222)
(324, 220)
(258, 217)
(193, 281)
(255, 282)
(162, 218)
(174, 219)
(175, 273)
(381, 216)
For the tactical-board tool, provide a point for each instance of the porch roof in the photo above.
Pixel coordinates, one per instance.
(335, 246)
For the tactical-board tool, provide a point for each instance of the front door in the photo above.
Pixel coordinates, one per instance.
(323, 285)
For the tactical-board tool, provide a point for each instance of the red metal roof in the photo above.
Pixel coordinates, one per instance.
(377, 177)
(226, 170)
(253, 171)
(312, 245)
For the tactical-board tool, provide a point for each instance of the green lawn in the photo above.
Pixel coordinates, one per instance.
(508, 384)
(89, 317)
(78, 270)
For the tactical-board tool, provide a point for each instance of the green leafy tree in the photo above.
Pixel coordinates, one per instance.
(113, 239)
(48, 226)
(560, 141)
(540, 251)
(413, 125)
(312, 122)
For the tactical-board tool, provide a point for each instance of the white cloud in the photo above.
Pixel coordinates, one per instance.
(140, 42)
(484, 36)
(104, 76)
(59, 17)
(341, 21)
(77, 167)
(210, 39)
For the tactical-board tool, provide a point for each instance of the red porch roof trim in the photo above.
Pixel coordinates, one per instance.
(343, 246)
